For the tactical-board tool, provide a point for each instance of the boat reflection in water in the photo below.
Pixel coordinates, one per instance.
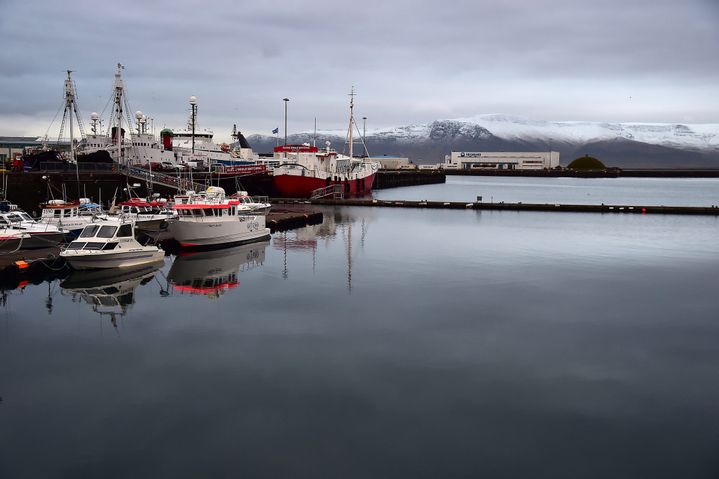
(211, 273)
(110, 292)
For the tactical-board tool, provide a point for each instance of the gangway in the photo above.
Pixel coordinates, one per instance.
(331, 191)
(177, 182)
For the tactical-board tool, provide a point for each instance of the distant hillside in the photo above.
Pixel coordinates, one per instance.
(616, 144)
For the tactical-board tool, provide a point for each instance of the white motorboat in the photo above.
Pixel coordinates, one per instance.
(12, 239)
(109, 244)
(256, 204)
(42, 235)
(211, 219)
(149, 216)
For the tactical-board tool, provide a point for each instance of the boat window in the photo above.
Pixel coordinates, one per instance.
(107, 231)
(109, 246)
(197, 212)
(94, 245)
(66, 213)
(89, 231)
(57, 213)
(125, 231)
(76, 245)
(208, 212)
(26, 217)
(3, 221)
(14, 218)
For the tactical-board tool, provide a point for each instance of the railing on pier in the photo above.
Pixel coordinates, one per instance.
(331, 191)
(177, 182)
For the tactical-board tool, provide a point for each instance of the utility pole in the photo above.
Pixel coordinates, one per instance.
(286, 100)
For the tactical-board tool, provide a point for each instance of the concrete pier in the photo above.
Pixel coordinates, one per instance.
(550, 207)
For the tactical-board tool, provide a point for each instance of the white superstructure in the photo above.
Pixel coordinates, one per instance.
(501, 160)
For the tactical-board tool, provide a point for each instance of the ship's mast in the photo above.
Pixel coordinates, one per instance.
(349, 130)
(118, 89)
(70, 109)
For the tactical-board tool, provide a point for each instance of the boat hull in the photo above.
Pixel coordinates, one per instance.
(217, 233)
(297, 186)
(102, 260)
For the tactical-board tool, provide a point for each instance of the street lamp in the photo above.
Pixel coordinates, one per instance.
(193, 105)
(285, 100)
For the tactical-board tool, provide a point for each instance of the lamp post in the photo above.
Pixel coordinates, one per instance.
(285, 100)
(193, 105)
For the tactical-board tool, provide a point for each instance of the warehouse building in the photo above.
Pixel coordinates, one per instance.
(530, 160)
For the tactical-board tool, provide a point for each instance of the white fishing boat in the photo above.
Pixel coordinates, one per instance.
(71, 216)
(211, 219)
(109, 244)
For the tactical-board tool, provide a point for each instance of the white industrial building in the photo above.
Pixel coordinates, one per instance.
(393, 162)
(500, 160)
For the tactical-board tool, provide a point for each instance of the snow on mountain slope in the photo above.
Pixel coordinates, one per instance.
(696, 136)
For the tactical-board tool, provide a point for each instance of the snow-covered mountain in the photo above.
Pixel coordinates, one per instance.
(617, 144)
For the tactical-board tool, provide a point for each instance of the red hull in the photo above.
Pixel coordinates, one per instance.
(293, 186)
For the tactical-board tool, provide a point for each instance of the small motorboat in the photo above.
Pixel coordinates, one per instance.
(109, 244)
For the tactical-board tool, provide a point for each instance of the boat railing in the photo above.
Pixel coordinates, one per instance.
(331, 191)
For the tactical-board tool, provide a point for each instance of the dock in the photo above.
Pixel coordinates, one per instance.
(503, 206)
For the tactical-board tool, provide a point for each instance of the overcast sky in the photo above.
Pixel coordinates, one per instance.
(411, 61)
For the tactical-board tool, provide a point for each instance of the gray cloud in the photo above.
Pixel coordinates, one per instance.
(411, 61)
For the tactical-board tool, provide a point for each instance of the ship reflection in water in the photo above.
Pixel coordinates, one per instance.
(109, 292)
(212, 273)
(337, 223)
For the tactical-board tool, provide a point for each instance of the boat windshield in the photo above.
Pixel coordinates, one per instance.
(107, 231)
(89, 231)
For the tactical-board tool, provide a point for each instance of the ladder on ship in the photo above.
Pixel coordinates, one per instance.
(331, 191)
(176, 182)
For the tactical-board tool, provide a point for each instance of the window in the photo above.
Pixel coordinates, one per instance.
(208, 212)
(66, 213)
(56, 213)
(109, 246)
(125, 231)
(76, 245)
(107, 231)
(89, 231)
(94, 245)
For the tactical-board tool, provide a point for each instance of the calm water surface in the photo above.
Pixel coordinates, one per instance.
(629, 191)
(383, 343)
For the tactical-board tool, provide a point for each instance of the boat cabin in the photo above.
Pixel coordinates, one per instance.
(103, 237)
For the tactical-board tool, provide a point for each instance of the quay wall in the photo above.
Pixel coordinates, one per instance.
(546, 207)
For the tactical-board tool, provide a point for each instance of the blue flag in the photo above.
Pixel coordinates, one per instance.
(275, 131)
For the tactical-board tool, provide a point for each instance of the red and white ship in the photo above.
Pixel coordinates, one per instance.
(305, 170)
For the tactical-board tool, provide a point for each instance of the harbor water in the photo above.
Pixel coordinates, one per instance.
(583, 191)
(383, 343)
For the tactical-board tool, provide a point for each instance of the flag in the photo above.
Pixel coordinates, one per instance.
(275, 131)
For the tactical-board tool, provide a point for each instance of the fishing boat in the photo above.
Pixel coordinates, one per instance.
(109, 244)
(149, 216)
(71, 216)
(211, 219)
(305, 171)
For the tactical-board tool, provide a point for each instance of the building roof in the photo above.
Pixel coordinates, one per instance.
(19, 141)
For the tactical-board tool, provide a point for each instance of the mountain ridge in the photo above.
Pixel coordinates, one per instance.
(666, 145)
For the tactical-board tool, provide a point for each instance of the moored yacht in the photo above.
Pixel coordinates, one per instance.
(109, 244)
(211, 219)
